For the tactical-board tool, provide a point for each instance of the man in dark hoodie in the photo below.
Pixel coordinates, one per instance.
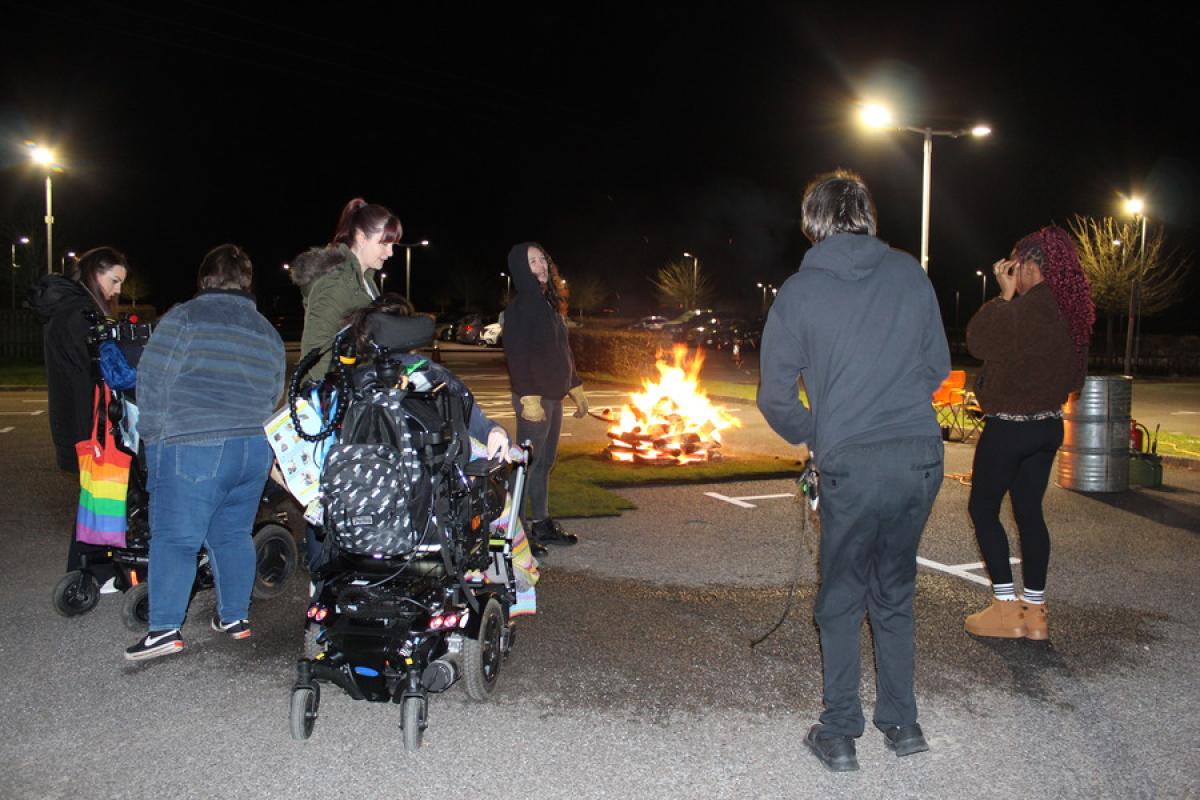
(860, 324)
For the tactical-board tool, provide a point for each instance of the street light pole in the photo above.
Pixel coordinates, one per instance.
(13, 261)
(695, 278)
(1137, 207)
(876, 116)
(982, 297)
(408, 265)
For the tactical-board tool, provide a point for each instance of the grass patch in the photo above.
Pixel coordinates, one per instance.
(1178, 444)
(22, 375)
(582, 478)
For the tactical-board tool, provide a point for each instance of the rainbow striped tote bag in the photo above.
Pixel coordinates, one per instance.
(103, 482)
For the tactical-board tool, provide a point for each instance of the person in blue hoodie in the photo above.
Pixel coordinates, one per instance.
(210, 376)
(860, 324)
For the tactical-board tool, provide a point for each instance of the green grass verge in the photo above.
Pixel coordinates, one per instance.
(582, 478)
(22, 375)
(1178, 444)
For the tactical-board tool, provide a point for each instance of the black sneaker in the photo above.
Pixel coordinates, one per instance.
(155, 644)
(906, 740)
(547, 531)
(837, 753)
(238, 629)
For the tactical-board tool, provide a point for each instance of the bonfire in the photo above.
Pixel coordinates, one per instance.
(671, 421)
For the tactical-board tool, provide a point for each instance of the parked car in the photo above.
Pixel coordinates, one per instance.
(654, 322)
(445, 325)
(470, 327)
(493, 335)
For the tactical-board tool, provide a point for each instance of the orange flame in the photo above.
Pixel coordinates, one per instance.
(671, 419)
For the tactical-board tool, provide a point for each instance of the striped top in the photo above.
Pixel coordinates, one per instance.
(213, 369)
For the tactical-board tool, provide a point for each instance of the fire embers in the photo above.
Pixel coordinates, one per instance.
(671, 421)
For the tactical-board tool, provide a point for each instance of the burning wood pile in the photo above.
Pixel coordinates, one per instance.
(671, 421)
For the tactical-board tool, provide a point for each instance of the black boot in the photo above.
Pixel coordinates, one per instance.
(547, 531)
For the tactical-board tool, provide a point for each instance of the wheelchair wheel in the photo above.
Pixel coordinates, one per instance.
(482, 656)
(305, 702)
(135, 608)
(412, 722)
(76, 593)
(276, 556)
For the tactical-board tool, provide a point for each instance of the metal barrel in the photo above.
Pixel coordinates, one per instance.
(1095, 451)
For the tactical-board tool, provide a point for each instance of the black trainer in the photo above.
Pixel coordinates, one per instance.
(238, 629)
(155, 644)
(837, 753)
(906, 739)
(547, 531)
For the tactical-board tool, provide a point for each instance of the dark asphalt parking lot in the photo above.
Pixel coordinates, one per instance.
(636, 679)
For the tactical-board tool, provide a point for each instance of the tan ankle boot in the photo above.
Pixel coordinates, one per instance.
(1036, 626)
(1002, 620)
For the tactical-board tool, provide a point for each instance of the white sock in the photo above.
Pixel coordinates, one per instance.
(1034, 598)
(1004, 591)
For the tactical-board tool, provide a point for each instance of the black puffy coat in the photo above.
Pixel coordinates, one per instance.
(535, 336)
(62, 305)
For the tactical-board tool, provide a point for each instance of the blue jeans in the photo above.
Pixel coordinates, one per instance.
(875, 500)
(203, 493)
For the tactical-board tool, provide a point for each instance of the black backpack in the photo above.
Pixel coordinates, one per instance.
(377, 483)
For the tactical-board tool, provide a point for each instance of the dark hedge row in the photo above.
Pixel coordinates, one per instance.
(627, 355)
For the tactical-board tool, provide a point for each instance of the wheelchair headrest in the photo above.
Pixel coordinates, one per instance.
(398, 333)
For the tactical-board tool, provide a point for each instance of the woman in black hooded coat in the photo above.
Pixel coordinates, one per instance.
(542, 372)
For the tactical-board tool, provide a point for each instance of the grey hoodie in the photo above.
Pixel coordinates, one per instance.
(860, 323)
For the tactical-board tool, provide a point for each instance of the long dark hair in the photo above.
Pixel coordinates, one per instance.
(553, 281)
(359, 215)
(1055, 253)
(94, 263)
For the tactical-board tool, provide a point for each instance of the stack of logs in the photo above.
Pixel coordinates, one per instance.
(671, 440)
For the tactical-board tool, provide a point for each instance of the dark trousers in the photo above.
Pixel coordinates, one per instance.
(1014, 458)
(544, 437)
(875, 500)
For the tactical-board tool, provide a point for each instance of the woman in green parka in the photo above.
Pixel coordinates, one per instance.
(340, 278)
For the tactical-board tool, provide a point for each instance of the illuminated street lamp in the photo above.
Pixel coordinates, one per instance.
(408, 265)
(63, 263)
(13, 261)
(507, 283)
(766, 287)
(45, 158)
(695, 277)
(879, 117)
(983, 296)
(1136, 207)
(382, 280)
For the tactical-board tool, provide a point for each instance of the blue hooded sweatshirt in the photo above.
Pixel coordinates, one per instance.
(860, 323)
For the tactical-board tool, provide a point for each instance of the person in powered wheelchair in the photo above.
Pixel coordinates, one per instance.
(423, 560)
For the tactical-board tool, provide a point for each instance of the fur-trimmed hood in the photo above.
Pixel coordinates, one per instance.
(317, 262)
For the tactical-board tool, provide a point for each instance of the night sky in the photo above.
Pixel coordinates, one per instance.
(618, 135)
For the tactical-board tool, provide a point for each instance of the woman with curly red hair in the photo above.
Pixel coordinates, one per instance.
(1033, 341)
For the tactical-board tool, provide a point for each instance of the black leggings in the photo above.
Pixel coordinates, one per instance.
(1014, 458)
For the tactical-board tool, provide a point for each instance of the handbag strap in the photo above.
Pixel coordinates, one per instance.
(100, 421)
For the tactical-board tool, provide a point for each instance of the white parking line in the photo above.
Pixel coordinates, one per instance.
(740, 502)
(22, 413)
(960, 570)
(9, 429)
(43, 401)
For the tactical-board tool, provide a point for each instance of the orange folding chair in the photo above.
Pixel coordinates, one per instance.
(948, 402)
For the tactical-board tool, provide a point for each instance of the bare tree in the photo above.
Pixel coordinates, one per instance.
(587, 294)
(1115, 259)
(684, 285)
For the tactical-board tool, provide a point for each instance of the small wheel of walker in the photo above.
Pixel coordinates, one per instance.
(412, 722)
(135, 608)
(276, 556)
(305, 702)
(76, 593)
(482, 656)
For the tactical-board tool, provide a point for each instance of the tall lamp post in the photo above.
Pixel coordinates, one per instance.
(45, 158)
(1137, 207)
(983, 296)
(507, 285)
(408, 264)
(63, 264)
(766, 287)
(695, 278)
(874, 115)
(13, 261)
